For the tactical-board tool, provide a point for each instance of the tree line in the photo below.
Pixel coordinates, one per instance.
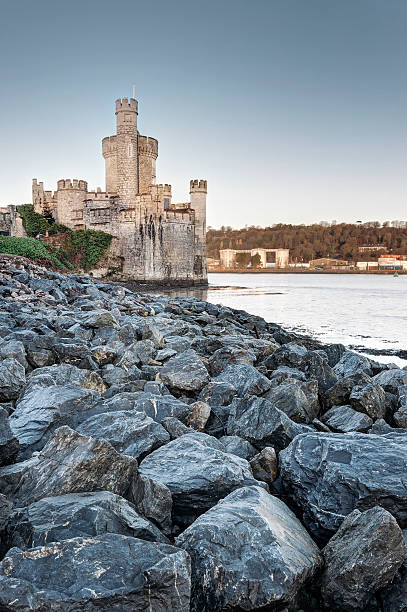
(308, 242)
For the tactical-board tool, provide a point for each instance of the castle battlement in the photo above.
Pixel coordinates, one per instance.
(126, 104)
(198, 185)
(77, 184)
(148, 146)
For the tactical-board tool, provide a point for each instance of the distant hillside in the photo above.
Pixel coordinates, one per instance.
(308, 242)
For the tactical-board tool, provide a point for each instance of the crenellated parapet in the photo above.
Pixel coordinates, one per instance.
(148, 146)
(109, 146)
(74, 184)
(124, 104)
(200, 186)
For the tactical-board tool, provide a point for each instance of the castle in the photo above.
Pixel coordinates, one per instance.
(154, 239)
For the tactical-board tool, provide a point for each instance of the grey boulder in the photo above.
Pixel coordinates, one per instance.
(129, 432)
(198, 473)
(299, 400)
(9, 444)
(108, 572)
(186, 372)
(12, 378)
(53, 519)
(362, 557)
(245, 379)
(248, 552)
(344, 419)
(69, 463)
(391, 380)
(259, 422)
(327, 476)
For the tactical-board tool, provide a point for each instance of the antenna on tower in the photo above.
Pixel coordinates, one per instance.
(134, 90)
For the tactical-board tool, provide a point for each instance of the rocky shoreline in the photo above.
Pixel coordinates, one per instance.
(164, 454)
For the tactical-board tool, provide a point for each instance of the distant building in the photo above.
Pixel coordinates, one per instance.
(367, 265)
(367, 248)
(326, 263)
(392, 262)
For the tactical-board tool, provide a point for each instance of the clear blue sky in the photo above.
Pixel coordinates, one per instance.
(293, 110)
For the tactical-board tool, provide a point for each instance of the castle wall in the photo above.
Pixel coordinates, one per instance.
(148, 152)
(71, 202)
(198, 191)
(109, 149)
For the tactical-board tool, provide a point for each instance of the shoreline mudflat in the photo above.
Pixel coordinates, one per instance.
(171, 454)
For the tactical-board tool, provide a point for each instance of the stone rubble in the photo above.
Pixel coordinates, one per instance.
(165, 453)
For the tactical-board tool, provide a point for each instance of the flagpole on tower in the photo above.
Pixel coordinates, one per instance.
(134, 91)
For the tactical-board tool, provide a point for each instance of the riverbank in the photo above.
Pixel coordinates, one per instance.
(218, 270)
(271, 443)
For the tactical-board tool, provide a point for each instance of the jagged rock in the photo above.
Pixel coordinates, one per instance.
(245, 379)
(328, 475)
(391, 380)
(393, 598)
(165, 353)
(53, 519)
(351, 363)
(218, 393)
(69, 463)
(14, 349)
(334, 353)
(74, 353)
(108, 572)
(264, 465)
(6, 508)
(228, 355)
(400, 416)
(362, 557)
(12, 378)
(198, 415)
(285, 374)
(9, 444)
(100, 318)
(65, 374)
(262, 424)
(235, 445)
(299, 357)
(131, 433)
(370, 399)
(175, 428)
(43, 409)
(298, 400)
(198, 473)
(186, 372)
(345, 419)
(103, 354)
(113, 375)
(158, 407)
(339, 393)
(248, 552)
(380, 428)
(153, 500)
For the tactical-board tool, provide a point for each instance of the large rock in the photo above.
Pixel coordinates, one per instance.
(65, 374)
(228, 355)
(245, 379)
(248, 552)
(362, 557)
(370, 399)
(159, 407)
(352, 363)
(237, 446)
(264, 465)
(9, 444)
(391, 380)
(299, 400)
(393, 598)
(69, 463)
(108, 572)
(218, 393)
(75, 515)
(100, 318)
(43, 409)
(12, 378)
(186, 372)
(345, 419)
(339, 393)
(198, 473)
(309, 362)
(327, 476)
(262, 424)
(131, 433)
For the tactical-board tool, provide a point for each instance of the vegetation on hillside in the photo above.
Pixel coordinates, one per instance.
(33, 249)
(308, 242)
(83, 248)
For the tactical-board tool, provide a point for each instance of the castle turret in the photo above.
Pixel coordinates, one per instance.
(127, 154)
(198, 191)
(71, 202)
(148, 153)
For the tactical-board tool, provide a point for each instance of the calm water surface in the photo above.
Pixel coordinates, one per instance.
(365, 311)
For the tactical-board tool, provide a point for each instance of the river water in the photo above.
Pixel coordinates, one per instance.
(362, 311)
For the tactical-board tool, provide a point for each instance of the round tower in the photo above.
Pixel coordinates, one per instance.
(198, 191)
(109, 149)
(148, 153)
(127, 153)
(71, 202)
